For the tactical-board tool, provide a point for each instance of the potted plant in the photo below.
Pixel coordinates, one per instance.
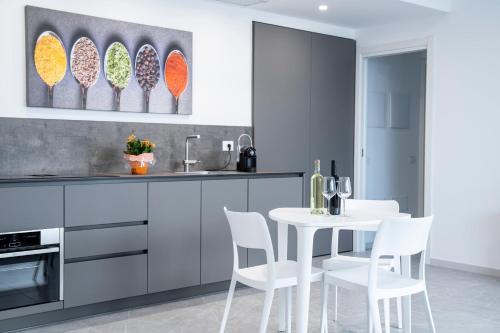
(139, 154)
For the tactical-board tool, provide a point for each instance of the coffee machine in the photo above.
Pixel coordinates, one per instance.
(247, 156)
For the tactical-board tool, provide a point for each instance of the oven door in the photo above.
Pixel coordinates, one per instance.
(29, 277)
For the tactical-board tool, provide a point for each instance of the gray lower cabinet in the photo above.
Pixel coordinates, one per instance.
(95, 242)
(174, 235)
(267, 194)
(31, 208)
(95, 281)
(105, 203)
(216, 241)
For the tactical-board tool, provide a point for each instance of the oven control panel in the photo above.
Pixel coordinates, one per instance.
(19, 240)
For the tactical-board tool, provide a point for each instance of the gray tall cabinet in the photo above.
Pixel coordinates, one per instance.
(303, 106)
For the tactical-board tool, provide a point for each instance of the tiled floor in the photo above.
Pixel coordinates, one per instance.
(461, 302)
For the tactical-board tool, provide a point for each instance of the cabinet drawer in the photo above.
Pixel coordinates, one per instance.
(31, 208)
(105, 203)
(103, 280)
(86, 243)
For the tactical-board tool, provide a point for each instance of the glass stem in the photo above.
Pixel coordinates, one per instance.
(328, 206)
(343, 206)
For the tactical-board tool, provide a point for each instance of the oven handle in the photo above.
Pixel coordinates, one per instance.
(28, 253)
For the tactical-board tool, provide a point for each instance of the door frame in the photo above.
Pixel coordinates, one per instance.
(362, 55)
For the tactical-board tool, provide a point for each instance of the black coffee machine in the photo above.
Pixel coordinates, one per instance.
(247, 156)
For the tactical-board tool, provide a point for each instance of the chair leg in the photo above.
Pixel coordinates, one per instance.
(289, 310)
(375, 314)
(429, 313)
(369, 315)
(400, 312)
(266, 311)
(387, 315)
(228, 305)
(397, 269)
(324, 307)
(335, 303)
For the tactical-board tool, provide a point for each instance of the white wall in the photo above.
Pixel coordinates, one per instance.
(465, 128)
(222, 55)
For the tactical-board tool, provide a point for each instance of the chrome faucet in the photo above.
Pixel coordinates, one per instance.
(187, 162)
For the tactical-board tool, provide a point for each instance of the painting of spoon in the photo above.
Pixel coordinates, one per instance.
(176, 75)
(147, 71)
(50, 61)
(85, 65)
(118, 69)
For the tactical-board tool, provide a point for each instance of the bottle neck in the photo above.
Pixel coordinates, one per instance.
(334, 168)
(317, 167)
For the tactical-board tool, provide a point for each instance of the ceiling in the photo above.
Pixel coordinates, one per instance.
(354, 14)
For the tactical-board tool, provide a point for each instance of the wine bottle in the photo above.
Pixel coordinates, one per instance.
(317, 200)
(335, 201)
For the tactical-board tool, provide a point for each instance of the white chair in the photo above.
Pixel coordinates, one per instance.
(395, 237)
(339, 261)
(249, 230)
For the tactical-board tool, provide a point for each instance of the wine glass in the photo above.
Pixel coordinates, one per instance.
(344, 190)
(329, 190)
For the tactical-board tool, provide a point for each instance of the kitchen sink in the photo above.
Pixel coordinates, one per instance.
(199, 172)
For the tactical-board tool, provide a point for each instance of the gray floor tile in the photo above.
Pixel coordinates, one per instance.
(460, 301)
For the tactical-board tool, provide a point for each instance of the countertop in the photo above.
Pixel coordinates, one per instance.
(154, 176)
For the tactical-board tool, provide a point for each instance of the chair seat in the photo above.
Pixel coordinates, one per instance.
(343, 262)
(286, 275)
(390, 284)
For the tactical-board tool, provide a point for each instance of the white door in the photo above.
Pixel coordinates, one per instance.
(394, 146)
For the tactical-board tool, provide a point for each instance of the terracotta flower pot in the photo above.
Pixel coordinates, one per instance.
(139, 164)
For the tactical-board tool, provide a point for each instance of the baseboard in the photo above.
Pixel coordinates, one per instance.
(465, 267)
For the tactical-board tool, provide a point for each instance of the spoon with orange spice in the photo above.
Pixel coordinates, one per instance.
(50, 61)
(176, 75)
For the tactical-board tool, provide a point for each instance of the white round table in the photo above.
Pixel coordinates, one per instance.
(307, 225)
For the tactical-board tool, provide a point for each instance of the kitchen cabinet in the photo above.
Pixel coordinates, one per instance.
(333, 61)
(31, 208)
(95, 281)
(303, 106)
(265, 195)
(105, 241)
(281, 97)
(105, 203)
(216, 240)
(174, 210)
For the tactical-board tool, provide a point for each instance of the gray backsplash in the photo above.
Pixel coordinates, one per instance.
(38, 146)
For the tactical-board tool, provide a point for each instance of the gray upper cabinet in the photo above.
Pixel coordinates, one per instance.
(105, 203)
(303, 105)
(216, 241)
(31, 208)
(332, 116)
(174, 235)
(267, 194)
(281, 97)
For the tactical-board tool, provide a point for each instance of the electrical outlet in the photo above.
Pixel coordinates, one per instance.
(225, 143)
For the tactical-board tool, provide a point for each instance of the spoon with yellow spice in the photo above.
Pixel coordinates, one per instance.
(50, 61)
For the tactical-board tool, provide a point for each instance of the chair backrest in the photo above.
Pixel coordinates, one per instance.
(372, 205)
(375, 206)
(400, 237)
(249, 230)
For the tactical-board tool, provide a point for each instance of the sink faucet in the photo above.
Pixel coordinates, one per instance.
(187, 162)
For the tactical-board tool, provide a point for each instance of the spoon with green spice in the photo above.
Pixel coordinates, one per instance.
(118, 69)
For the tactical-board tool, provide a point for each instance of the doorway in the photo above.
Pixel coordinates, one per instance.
(393, 131)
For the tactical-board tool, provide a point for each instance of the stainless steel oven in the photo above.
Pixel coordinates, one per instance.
(31, 268)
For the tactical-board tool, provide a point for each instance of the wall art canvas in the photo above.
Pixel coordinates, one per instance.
(83, 62)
